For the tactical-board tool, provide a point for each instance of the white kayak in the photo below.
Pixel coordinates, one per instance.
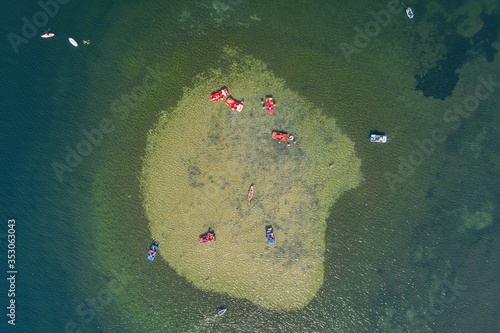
(73, 42)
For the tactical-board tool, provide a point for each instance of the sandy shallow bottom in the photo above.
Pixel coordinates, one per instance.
(200, 161)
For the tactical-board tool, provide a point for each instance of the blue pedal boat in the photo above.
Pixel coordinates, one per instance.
(270, 234)
(378, 138)
(153, 249)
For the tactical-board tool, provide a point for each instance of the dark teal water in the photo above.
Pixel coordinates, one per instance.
(419, 254)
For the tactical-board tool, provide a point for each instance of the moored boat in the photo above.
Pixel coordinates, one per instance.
(250, 194)
(48, 35)
(378, 138)
(270, 234)
(219, 95)
(269, 105)
(207, 237)
(234, 104)
(153, 249)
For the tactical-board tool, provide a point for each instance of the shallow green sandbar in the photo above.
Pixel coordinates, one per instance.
(200, 161)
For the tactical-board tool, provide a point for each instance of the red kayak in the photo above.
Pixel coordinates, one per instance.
(219, 95)
(269, 106)
(234, 104)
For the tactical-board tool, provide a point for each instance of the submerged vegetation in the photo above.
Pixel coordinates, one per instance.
(200, 161)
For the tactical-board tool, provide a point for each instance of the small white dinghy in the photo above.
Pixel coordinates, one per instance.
(73, 42)
(408, 11)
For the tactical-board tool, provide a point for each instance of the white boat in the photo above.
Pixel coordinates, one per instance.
(220, 311)
(73, 42)
(48, 35)
(378, 138)
(409, 12)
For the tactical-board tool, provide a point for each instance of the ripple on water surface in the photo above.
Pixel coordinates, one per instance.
(200, 161)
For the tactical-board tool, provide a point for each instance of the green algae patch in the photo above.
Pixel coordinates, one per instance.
(201, 159)
(479, 219)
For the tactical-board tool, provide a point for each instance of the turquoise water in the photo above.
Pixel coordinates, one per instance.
(413, 249)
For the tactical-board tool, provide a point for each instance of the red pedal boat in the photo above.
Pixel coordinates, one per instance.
(219, 95)
(207, 237)
(282, 136)
(269, 105)
(234, 104)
